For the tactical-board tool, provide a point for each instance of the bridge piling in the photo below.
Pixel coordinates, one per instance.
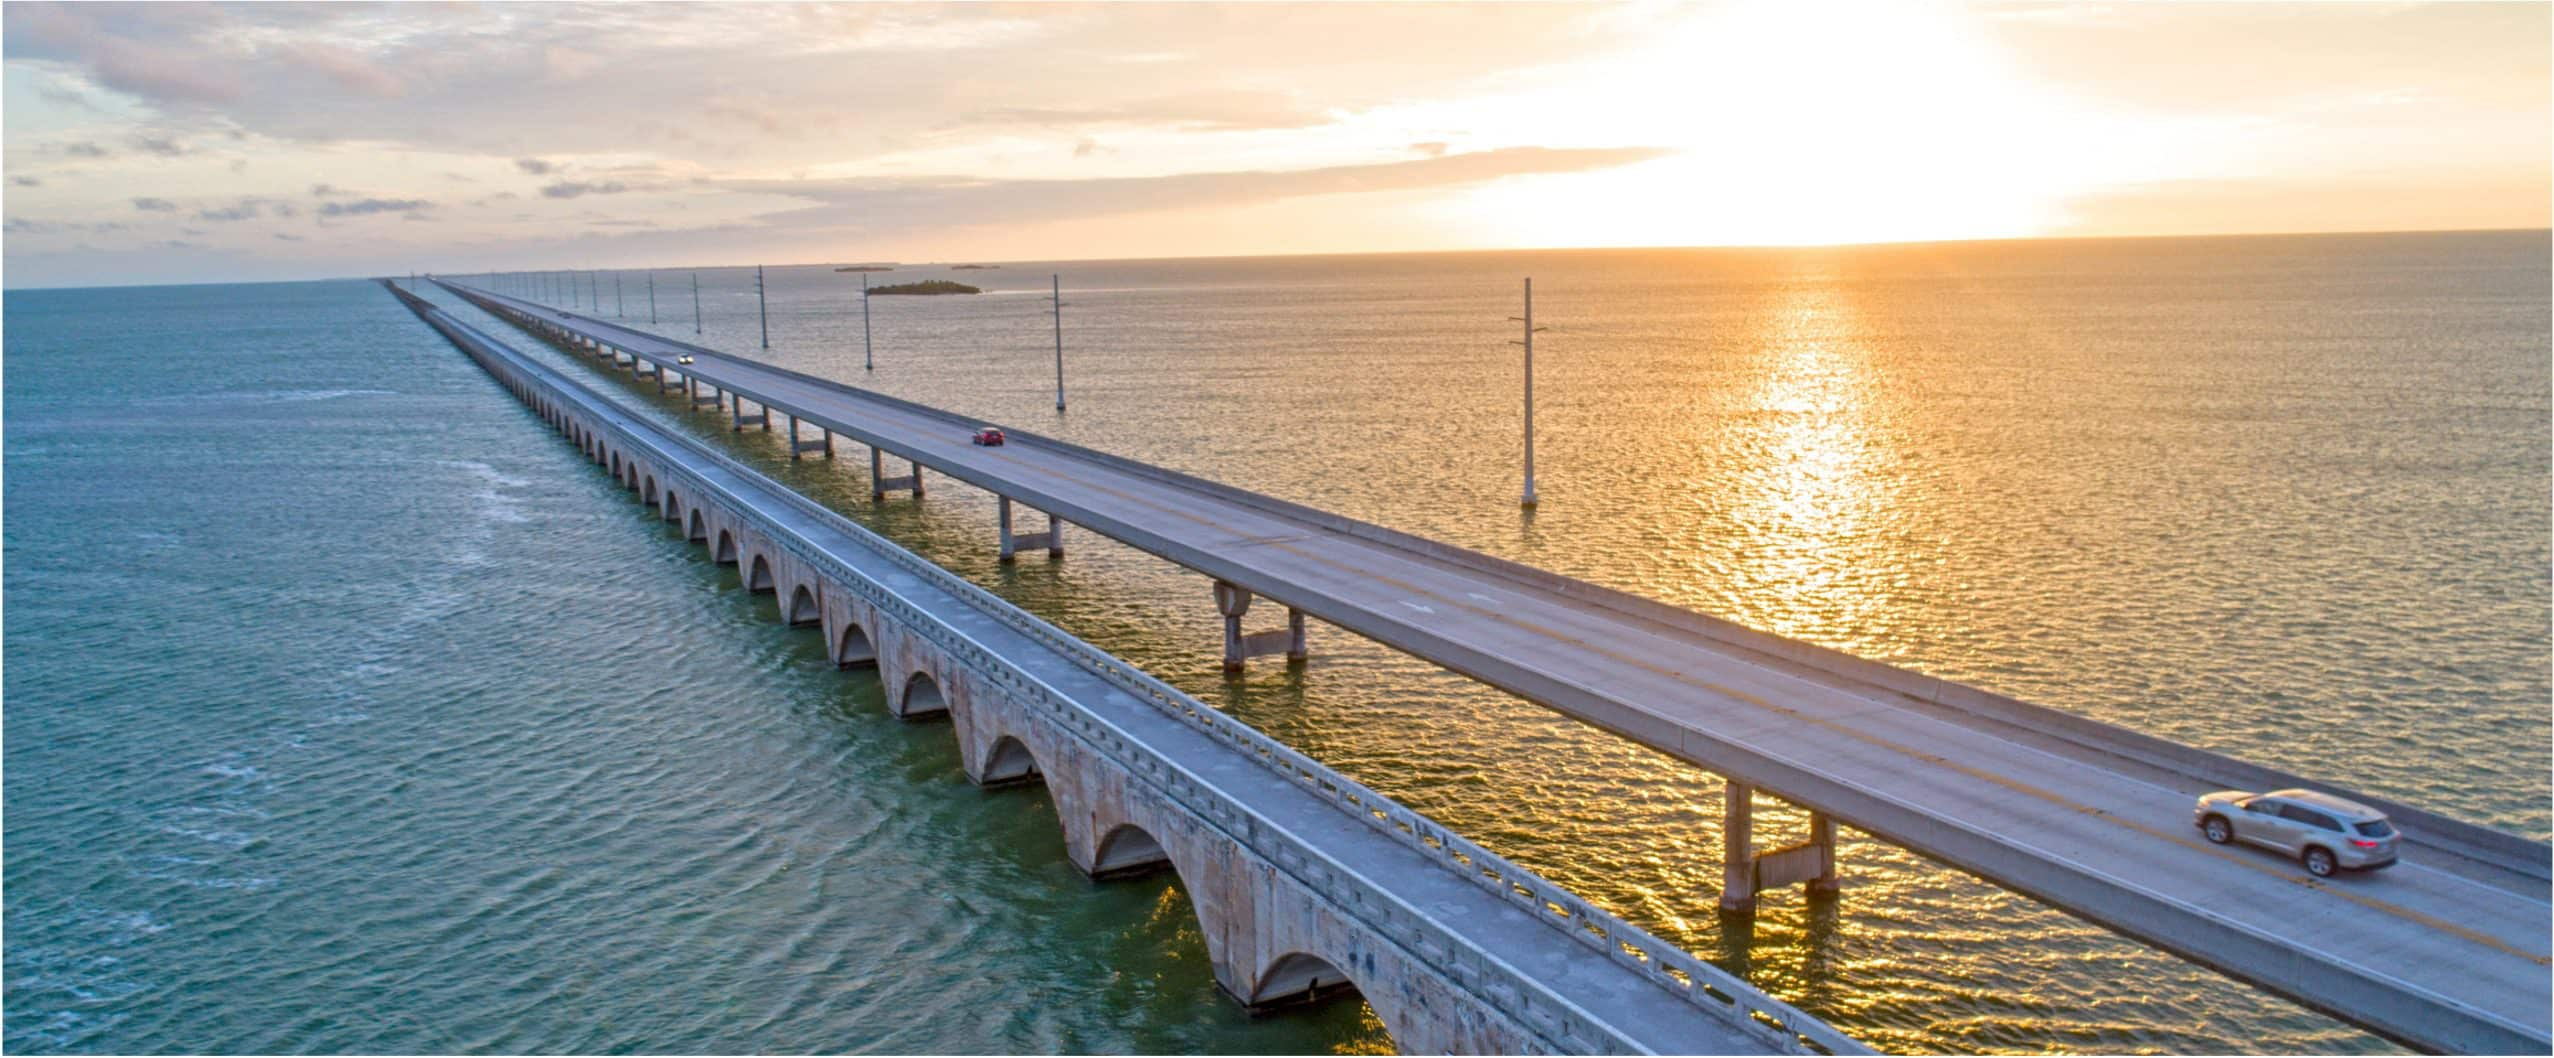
(799, 448)
(1233, 601)
(880, 484)
(1746, 873)
(1013, 543)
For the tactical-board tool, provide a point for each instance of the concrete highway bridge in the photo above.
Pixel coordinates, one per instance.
(2447, 951)
(1305, 882)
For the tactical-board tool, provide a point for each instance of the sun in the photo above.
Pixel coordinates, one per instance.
(1799, 124)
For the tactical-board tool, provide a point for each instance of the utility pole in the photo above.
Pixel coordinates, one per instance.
(762, 308)
(651, 299)
(868, 359)
(1056, 290)
(1528, 343)
(696, 303)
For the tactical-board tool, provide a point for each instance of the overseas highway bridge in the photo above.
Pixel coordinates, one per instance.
(2447, 951)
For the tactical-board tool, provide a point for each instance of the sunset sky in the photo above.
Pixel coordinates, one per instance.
(182, 143)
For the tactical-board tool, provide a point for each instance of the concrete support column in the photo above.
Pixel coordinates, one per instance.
(1233, 601)
(762, 415)
(880, 484)
(798, 448)
(1822, 836)
(1013, 543)
(1745, 873)
(1738, 846)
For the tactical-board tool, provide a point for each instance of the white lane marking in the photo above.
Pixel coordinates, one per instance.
(1416, 606)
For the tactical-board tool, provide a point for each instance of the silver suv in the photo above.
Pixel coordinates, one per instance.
(2328, 833)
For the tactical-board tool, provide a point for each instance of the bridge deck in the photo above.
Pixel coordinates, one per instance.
(2446, 951)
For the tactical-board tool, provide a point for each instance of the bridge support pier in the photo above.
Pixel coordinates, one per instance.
(1745, 873)
(798, 448)
(736, 405)
(880, 484)
(1233, 600)
(1014, 543)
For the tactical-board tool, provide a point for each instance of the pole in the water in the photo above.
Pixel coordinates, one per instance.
(762, 307)
(651, 299)
(1528, 319)
(1056, 290)
(618, 306)
(868, 360)
(696, 303)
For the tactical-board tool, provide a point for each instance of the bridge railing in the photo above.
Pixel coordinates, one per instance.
(1665, 965)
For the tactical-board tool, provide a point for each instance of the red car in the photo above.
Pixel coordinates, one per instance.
(988, 436)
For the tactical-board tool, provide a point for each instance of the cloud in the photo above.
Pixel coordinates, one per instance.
(84, 149)
(23, 226)
(288, 236)
(368, 206)
(347, 69)
(115, 45)
(1230, 111)
(945, 201)
(1088, 147)
(573, 189)
(535, 166)
(154, 205)
(325, 190)
(247, 209)
(1432, 148)
(26, 181)
(163, 146)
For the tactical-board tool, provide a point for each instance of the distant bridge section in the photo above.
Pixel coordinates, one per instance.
(2447, 951)
(1305, 882)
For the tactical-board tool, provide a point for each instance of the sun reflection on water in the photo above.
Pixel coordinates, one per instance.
(1816, 496)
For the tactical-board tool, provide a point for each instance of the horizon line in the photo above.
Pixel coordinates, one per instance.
(1720, 247)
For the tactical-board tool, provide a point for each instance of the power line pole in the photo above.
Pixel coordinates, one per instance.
(868, 359)
(1056, 290)
(1528, 343)
(762, 308)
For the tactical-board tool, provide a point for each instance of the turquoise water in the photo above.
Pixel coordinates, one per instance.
(348, 710)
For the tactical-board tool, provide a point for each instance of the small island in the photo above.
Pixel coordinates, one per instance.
(866, 268)
(928, 286)
(972, 268)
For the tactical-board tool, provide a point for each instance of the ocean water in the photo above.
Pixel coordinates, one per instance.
(348, 710)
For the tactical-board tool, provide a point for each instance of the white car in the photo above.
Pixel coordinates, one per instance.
(2326, 833)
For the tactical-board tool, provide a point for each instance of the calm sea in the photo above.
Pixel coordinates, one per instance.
(348, 710)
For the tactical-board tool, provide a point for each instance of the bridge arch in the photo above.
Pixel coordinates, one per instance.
(921, 696)
(1128, 850)
(1011, 762)
(1298, 979)
(699, 529)
(804, 607)
(853, 648)
(672, 509)
(647, 491)
(758, 574)
(612, 459)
